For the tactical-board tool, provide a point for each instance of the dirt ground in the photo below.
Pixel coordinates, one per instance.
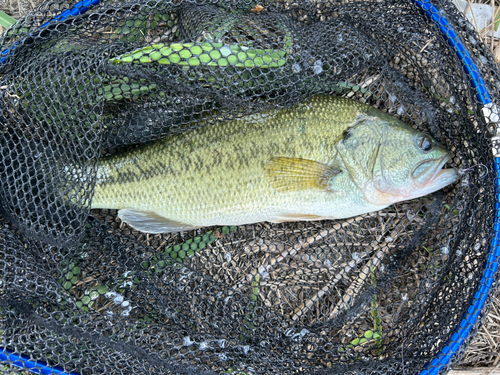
(483, 355)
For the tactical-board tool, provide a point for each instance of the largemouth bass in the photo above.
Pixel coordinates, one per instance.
(327, 158)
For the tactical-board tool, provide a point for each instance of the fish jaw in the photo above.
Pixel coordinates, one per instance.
(427, 170)
(436, 179)
(441, 179)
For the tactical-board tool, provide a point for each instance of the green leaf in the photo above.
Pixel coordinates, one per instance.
(497, 21)
(6, 20)
(85, 300)
(368, 334)
(94, 294)
(102, 289)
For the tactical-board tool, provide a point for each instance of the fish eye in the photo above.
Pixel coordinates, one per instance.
(425, 143)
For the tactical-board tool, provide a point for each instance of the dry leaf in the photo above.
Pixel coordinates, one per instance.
(496, 53)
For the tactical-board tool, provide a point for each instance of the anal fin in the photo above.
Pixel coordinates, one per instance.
(297, 217)
(151, 222)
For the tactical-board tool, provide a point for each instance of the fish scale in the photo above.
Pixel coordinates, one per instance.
(281, 165)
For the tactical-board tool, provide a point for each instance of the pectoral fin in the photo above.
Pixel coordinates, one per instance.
(151, 222)
(293, 174)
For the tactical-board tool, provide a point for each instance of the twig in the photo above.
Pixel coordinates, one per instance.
(493, 344)
(495, 364)
(492, 23)
(473, 15)
(356, 286)
(426, 45)
(286, 253)
(473, 371)
(458, 5)
(338, 277)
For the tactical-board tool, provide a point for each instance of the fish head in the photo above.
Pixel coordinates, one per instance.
(390, 161)
(409, 164)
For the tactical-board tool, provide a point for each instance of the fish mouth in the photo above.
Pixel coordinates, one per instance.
(430, 174)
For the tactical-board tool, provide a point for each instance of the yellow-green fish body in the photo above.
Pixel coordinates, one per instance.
(318, 160)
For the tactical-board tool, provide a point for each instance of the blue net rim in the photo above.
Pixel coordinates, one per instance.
(462, 331)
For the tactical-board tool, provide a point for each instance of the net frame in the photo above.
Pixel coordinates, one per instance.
(462, 333)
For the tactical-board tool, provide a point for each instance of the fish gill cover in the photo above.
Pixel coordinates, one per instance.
(82, 292)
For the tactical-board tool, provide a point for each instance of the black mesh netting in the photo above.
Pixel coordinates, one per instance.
(378, 293)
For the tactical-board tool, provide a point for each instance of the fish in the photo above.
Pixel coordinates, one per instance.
(327, 158)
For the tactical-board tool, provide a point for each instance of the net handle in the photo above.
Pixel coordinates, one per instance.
(491, 116)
